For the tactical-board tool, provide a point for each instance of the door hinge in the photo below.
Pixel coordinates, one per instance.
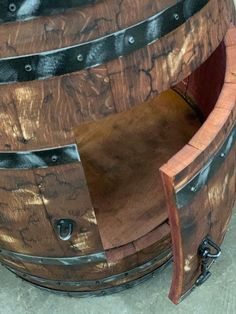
(209, 251)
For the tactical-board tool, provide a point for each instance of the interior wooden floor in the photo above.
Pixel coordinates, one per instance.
(122, 155)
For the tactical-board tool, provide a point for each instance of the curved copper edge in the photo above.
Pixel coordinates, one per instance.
(186, 193)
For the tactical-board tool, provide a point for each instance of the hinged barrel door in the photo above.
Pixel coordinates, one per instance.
(200, 185)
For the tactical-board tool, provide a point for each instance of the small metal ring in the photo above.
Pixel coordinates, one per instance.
(176, 16)
(28, 68)
(54, 158)
(131, 40)
(12, 7)
(80, 58)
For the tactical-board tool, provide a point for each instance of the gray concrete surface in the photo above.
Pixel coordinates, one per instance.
(216, 296)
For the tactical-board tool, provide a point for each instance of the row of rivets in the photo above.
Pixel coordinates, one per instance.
(131, 41)
(194, 188)
(80, 57)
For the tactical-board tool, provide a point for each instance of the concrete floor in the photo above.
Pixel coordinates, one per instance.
(217, 295)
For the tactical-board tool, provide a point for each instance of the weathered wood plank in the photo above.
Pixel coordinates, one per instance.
(43, 114)
(148, 71)
(24, 223)
(65, 195)
(121, 155)
(202, 214)
(76, 26)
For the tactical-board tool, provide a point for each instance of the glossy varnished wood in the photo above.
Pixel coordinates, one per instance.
(115, 196)
(76, 26)
(119, 260)
(120, 156)
(31, 203)
(203, 215)
(59, 104)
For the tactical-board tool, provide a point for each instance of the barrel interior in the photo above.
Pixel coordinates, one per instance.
(122, 154)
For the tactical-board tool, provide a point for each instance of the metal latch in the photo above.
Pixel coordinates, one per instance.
(64, 228)
(208, 251)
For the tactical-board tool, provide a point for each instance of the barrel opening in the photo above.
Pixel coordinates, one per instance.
(204, 85)
(121, 156)
(122, 153)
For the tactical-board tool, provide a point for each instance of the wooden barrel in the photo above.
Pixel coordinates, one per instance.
(96, 97)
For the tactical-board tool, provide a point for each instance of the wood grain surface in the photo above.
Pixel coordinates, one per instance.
(121, 156)
(203, 215)
(60, 104)
(31, 203)
(116, 195)
(76, 26)
(119, 260)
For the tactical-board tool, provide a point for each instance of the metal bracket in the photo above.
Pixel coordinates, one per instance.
(186, 194)
(64, 228)
(43, 158)
(208, 256)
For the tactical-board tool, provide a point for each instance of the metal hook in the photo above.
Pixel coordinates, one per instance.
(64, 228)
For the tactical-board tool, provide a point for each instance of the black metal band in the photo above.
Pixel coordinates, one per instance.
(101, 292)
(148, 266)
(59, 261)
(99, 51)
(186, 194)
(40, 158)
(14, 10)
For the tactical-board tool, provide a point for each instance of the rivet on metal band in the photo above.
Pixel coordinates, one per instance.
(39, 158)
(185, 194)
(100, 292)
(104, 281)
(98, 51)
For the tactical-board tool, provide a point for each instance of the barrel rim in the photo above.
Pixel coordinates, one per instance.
(100, 292)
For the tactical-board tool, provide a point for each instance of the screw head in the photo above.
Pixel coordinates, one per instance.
(176, 16)
(28, 68)
(80, 57)
(12, 7)
(131, 40)
(193, 189)
(222, 155)
(54, 158)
